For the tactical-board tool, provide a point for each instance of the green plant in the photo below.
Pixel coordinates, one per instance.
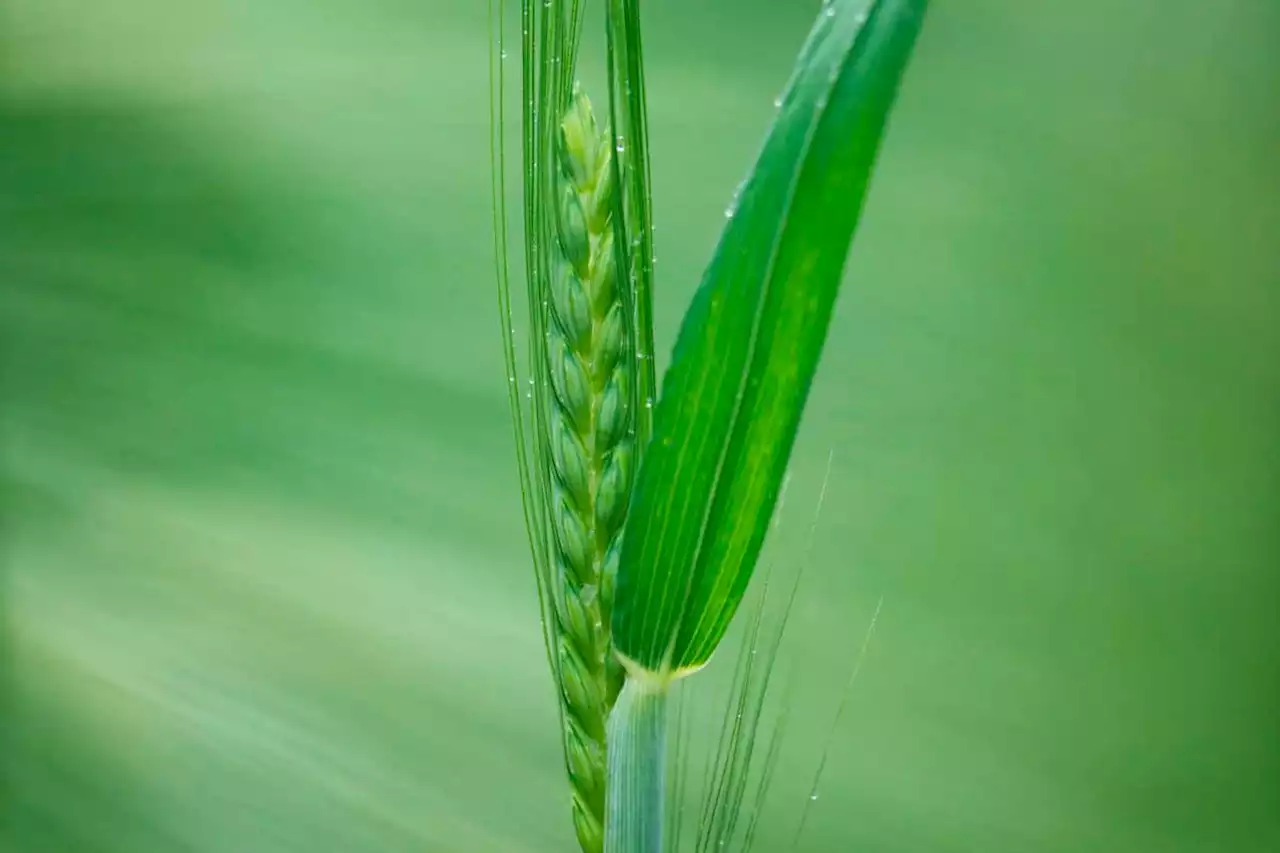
(712, 459)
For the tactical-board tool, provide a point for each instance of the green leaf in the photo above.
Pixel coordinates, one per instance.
(628, 117)
(751, 341)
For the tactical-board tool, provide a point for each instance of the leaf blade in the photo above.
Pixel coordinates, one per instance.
(751, 341)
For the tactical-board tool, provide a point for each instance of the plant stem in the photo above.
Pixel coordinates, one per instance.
(636, 788)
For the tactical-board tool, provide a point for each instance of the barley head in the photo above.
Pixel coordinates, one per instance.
(590, 448)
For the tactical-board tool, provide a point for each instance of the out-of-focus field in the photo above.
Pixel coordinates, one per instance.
(264, 581)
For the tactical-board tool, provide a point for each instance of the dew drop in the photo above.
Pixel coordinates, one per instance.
(813, 796)
(733, 204)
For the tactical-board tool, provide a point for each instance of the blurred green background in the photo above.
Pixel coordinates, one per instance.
(264, 580)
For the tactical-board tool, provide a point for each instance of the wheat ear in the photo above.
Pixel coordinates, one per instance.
(591, 448)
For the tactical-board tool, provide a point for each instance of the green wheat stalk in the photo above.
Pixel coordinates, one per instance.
(645, 527)
(578, 432)
(591, 449)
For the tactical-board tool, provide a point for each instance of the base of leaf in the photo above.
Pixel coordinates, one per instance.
(636, 786)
